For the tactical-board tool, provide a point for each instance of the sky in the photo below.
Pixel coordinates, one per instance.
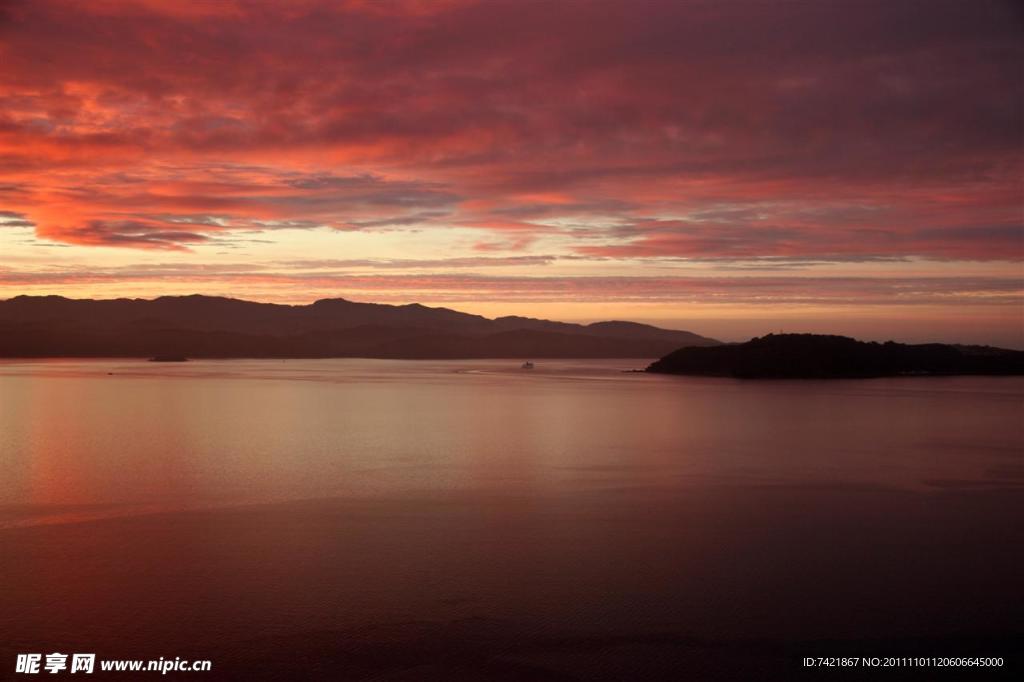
(732, 168)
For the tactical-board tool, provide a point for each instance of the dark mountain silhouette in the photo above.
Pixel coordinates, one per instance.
(208, 326)
(806, 356)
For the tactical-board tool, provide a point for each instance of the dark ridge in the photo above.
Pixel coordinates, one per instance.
(814, 356)
(199, 326)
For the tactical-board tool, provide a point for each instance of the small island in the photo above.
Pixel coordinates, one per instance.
(817, 356)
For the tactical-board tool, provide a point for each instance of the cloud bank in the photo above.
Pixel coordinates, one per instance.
(629, 129)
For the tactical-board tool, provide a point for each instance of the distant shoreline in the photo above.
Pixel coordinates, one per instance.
(213, 327)
(814, 356)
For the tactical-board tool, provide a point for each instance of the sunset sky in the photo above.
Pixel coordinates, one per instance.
(731, 168)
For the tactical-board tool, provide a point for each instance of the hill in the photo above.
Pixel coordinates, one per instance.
(215, 327)
(804, 356)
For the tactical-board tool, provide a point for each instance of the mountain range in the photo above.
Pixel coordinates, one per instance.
(216, 327)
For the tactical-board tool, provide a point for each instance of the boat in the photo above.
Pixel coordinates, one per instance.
(168, 358)
(527, 365)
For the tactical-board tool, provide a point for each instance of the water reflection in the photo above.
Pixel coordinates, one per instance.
(377, 517)
(256, 431)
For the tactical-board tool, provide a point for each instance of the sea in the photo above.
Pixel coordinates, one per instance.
(410, 520)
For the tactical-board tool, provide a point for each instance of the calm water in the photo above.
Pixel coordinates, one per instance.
(340, 519)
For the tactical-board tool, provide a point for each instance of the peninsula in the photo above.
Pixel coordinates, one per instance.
(817, 356)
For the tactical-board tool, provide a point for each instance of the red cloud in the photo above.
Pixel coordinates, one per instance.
(683, 129)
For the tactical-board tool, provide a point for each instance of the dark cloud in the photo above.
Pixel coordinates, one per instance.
(133, 233)
(14, 219)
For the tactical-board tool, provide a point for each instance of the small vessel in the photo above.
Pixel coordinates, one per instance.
(168, 358)
(527, 365)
